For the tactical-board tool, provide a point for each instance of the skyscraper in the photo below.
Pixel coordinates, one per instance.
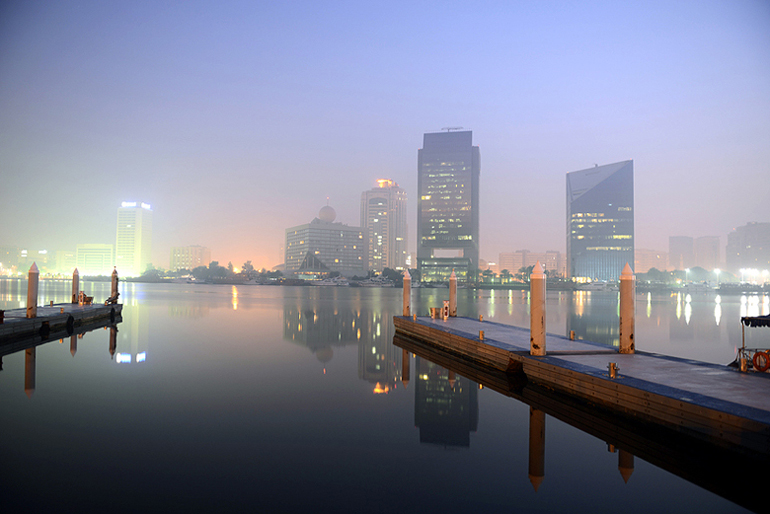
(749, 247)
(681, 252)
(383, 220)
(448, 169)
(600, 221)
(133, 246)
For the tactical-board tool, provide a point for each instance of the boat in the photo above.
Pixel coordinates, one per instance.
(332, 281)
(376, 282)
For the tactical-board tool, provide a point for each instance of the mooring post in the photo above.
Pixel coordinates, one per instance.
(30, 355)
(625, 464)
(627, 308)
(537, 311)
(536, 447)
(75, 285)
(404, 367)
(113, 340)
(32, 283)
(407, 292)
(114, 289)
(453, 294)
(73, 344)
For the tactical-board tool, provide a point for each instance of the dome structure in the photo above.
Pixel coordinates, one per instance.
(327, 214)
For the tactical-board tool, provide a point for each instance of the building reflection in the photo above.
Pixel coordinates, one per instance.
(446, 408)
(594, 316)
(130, 345)
(321, 328)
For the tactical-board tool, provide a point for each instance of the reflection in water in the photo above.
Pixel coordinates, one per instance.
(595, 317)
(709, 465)
(445, 411)
(536, 447)
(29, 370)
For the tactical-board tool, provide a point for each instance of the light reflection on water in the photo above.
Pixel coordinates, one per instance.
(241, 396)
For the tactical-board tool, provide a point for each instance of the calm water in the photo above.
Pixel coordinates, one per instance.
(291, 399)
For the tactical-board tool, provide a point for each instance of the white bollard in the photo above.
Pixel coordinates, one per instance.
(627, 308)
(75, 285)
(453, 294)
(32, 283)
(407, 292)
(537, 311)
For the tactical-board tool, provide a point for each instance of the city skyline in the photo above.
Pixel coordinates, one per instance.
(236, 121)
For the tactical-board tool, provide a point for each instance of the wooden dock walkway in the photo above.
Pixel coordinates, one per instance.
(716, 403)
(55, 318)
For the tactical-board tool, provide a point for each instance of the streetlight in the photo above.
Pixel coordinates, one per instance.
(717, 271)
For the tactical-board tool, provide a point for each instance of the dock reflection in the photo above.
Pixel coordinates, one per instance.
(29, 347)
(728, 471)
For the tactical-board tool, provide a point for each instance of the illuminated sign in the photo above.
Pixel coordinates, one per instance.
(145, 206)
(123, 358)
(141, 357)
(128, 204)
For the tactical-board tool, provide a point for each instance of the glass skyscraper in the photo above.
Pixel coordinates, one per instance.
(448, 172)
(600, 221)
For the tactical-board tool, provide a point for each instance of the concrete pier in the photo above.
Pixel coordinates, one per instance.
(49, 319)
(710, 401)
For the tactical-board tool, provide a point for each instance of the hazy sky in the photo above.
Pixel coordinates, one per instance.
(236, 120)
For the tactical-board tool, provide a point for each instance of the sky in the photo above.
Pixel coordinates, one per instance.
(236, 120)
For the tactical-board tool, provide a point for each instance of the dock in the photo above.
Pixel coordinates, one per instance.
(62, 317)
(712, 403)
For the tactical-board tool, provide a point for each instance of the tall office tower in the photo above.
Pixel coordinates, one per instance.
(189, 257)
(648, 259)
(707, 252)
(94, 259)
(448, 169)
(749, 247)
(322, 246)
(133, 246)
(600, 221)
(383, 220)
(681, 252)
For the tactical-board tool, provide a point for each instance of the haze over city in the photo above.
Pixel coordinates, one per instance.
(237, 121)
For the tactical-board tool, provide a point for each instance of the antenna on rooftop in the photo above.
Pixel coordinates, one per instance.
(449, 129)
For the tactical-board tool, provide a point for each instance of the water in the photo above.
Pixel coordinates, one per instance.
(290, 399)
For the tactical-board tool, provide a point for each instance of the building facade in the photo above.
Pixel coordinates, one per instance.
(383, 220)
(322, 246)
(600, 221)
(189, 257)
(645, 260)
(707, 254)
(681, 252)
(133, 245)
(748, 247)
(95, 259)
(551, 261)
(448, 169)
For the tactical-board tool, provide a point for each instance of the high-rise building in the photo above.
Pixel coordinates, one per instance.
(648, 259)
(448, 169)
(748, 247)
(707, 252)
(600, 221)
(513, 261)
(321, 246)
(383, 219)
(94, 259)
(189, 257)
(681, 252)
(133, 245)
